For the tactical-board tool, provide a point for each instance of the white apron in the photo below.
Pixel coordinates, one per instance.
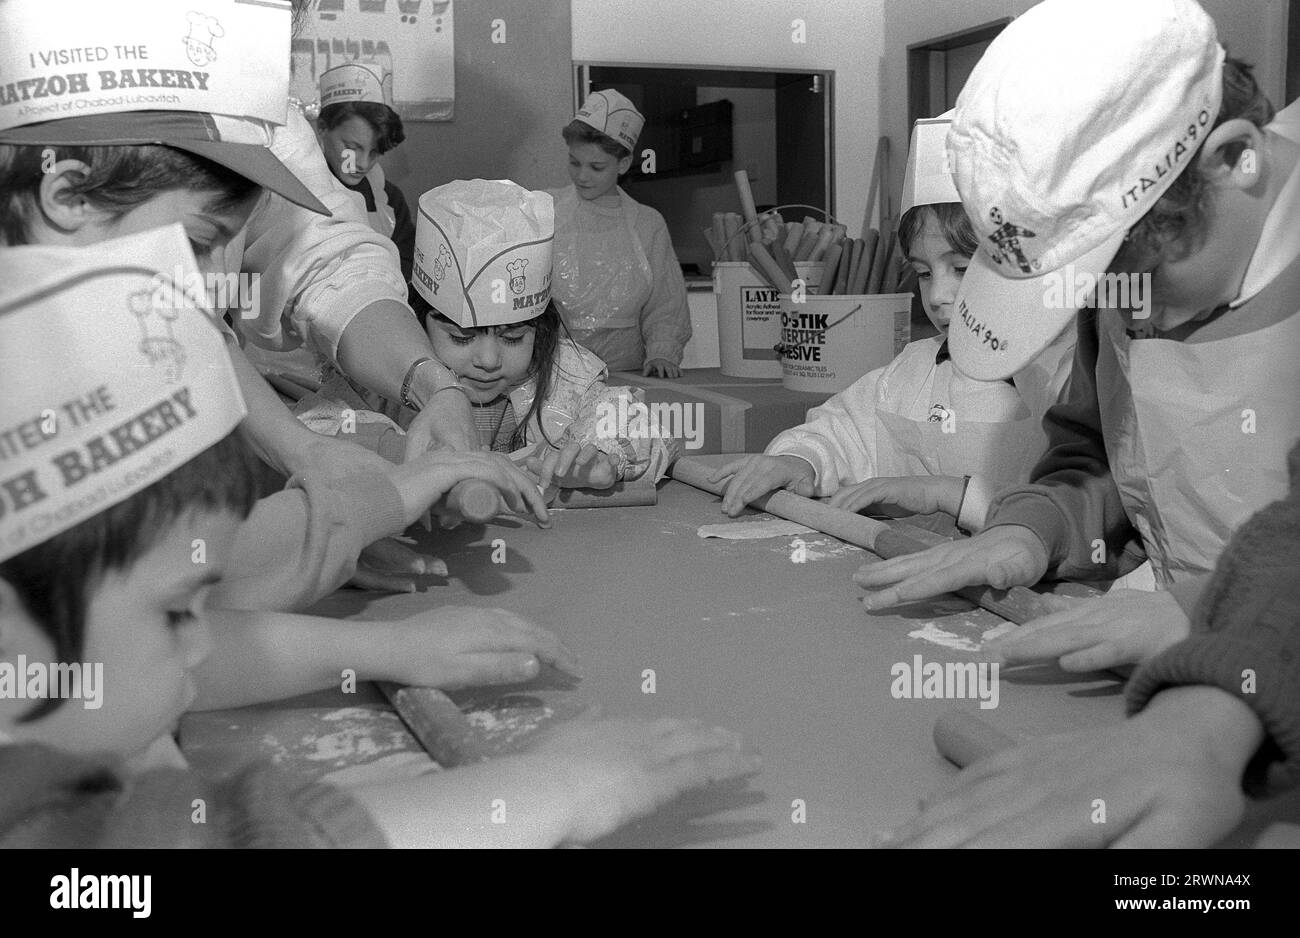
(1175, 419)
(600, 274)
(995, 434)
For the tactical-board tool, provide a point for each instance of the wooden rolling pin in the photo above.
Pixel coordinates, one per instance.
(963, 738)
(437, 723)
(474, 501)
(1018, 604)
(622, 495)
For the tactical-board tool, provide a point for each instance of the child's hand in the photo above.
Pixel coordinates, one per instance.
(1002, 557)
(660, 368)
(574, 466)
(1171, 777)
(463, 646)
(614, 771)
(755, 476)
(1123, 627)
(390, 565)
(916, 495)
(424, 479)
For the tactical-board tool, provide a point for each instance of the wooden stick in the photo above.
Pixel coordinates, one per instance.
(767, 268)
(747, 204)
(879, 263)
(870, 247)
(807, 242)
(852, 250)
(731, 228)
(824, 239)
(1018, 604)
(793, 235)
(720, 235)
(832, 262)
(963, 738)
(783, 260)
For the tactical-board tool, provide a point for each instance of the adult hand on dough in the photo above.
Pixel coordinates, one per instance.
(1122, 627)
(445, 421)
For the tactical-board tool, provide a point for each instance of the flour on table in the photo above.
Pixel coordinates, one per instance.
(753, 530)
(930, 632)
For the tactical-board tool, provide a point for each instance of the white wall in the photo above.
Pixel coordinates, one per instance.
(843, 36)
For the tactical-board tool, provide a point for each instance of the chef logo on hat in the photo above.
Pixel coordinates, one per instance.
(442, 263)
(1006, 238)
(516, 269)
(198, 44)
(156, 311)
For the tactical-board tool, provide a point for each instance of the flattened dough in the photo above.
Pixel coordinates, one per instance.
(753, 530)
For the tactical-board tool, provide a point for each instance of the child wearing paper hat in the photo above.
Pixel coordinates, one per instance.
(115, 472)
(118, 170)
(917, 434)
(357, 125)
(1139, 151)
(1171, 173)
(618, 284)
(483, 280)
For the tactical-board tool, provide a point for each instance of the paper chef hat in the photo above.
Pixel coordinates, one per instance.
(362, 80)
(613, 115)
(928, 180)
(1058, 148)
(208, 76)
(483, 252)
(112, 375)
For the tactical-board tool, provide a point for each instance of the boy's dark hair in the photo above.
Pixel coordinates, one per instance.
(951, 219)
(120, 179)
(1175, 225)
(56, 579)
(551, 331)
(576, 131)
(382, 119)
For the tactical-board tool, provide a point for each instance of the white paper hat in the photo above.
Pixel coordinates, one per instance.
(928, 179)
(613, 115)
(209, 76)
(1075, 121)
(362, 80)
(483, 251)
(112, 375)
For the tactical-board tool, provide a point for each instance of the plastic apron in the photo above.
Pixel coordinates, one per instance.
(600, 278)
(994, 434)
(1197, 434)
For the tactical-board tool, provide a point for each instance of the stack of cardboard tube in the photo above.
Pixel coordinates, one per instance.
(852, 266)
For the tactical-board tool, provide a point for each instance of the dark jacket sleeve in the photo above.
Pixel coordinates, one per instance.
(1071, 500)
(403, 228)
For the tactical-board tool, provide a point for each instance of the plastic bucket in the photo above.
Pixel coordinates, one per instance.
(749, 317)
(828, 342)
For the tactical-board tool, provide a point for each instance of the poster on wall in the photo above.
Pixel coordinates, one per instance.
(412, 38)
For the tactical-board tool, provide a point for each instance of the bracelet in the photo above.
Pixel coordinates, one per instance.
(406, 383)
